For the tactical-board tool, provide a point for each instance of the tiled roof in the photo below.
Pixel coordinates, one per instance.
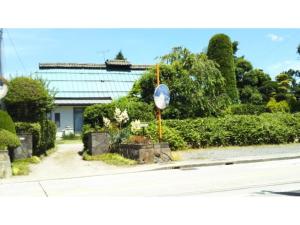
(90, 66)
(89, 83)
(117, 62)
(65, 102)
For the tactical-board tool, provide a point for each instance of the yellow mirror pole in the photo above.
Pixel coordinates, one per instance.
(158, 110)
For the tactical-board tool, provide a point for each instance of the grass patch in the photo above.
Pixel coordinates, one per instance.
(21, 166)
(74, 141)
(71, 137)
(109, 158)
(176, 156)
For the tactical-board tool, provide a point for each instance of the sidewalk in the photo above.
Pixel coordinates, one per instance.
(234, 155)
(190, 159)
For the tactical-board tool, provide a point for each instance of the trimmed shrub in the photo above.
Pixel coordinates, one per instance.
(6, 122)
(266, 128)
(245, 109)
(274, 106)
(220, 50)
(8, 139)
(93, 115)
(48, 135)
(27, 99)
(86, 130)
(170, 135)
(137, 110)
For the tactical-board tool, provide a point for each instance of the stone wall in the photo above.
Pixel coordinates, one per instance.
(5, 165)
(98, 143)
(146, 153)
(25, 150)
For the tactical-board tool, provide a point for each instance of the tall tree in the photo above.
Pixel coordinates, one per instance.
(120, 56)
(197, 86)
(220, 50)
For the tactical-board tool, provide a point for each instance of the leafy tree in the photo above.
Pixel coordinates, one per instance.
(196, 85)
(284, 90)
(241, 67)
(252, 84)
(120, 56)
(298, 49)
(235, 47)
(221, 51)
(28, 100)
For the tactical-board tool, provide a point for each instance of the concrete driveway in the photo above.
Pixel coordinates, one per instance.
(64, 163)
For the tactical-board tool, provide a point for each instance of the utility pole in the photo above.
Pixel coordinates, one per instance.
(1, 35)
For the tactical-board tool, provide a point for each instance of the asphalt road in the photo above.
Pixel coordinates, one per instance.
(274, 178)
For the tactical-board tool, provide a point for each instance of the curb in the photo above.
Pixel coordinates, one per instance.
(228, 162)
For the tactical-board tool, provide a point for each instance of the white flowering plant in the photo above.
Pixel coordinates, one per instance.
(117, 130)
(120, 131)
(135, 127)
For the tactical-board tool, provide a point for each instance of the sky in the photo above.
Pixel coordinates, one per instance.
(273, 50)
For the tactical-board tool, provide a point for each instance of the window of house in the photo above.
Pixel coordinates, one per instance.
(57, 119)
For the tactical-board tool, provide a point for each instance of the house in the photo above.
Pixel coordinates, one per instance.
(80, 85)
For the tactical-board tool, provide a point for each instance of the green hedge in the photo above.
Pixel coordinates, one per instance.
(246, 109)
(86, 130)
(48, 135)
(6, 122)
(266, 128)
(8, 139)
(170, 135)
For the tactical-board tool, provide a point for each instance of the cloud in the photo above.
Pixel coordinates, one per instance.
(275, 37)
(285, 65)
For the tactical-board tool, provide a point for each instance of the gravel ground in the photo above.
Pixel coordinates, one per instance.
(233, 152)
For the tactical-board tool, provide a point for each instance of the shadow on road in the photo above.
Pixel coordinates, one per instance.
(294, 193)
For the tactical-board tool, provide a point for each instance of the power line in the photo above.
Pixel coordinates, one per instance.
(17, 54)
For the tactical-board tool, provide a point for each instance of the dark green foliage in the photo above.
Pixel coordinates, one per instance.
(86, 130)
(8, 139)
(255, 86)
(220, 50)
(246, 109)
(137, 110)
(241, 67)
(120, 56)
(298, 49)
(48, 136)
(235, 47)
(250, 95)
(27, 99)
(6, 122)
(238, 130)
(170, 135)
(93, 115)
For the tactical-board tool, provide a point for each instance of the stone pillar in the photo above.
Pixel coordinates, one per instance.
(25, 150)
(5, 165)
(98, 143)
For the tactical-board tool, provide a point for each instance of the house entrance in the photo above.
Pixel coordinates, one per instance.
(78, 119)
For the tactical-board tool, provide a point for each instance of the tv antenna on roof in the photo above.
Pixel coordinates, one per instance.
(103, 52)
